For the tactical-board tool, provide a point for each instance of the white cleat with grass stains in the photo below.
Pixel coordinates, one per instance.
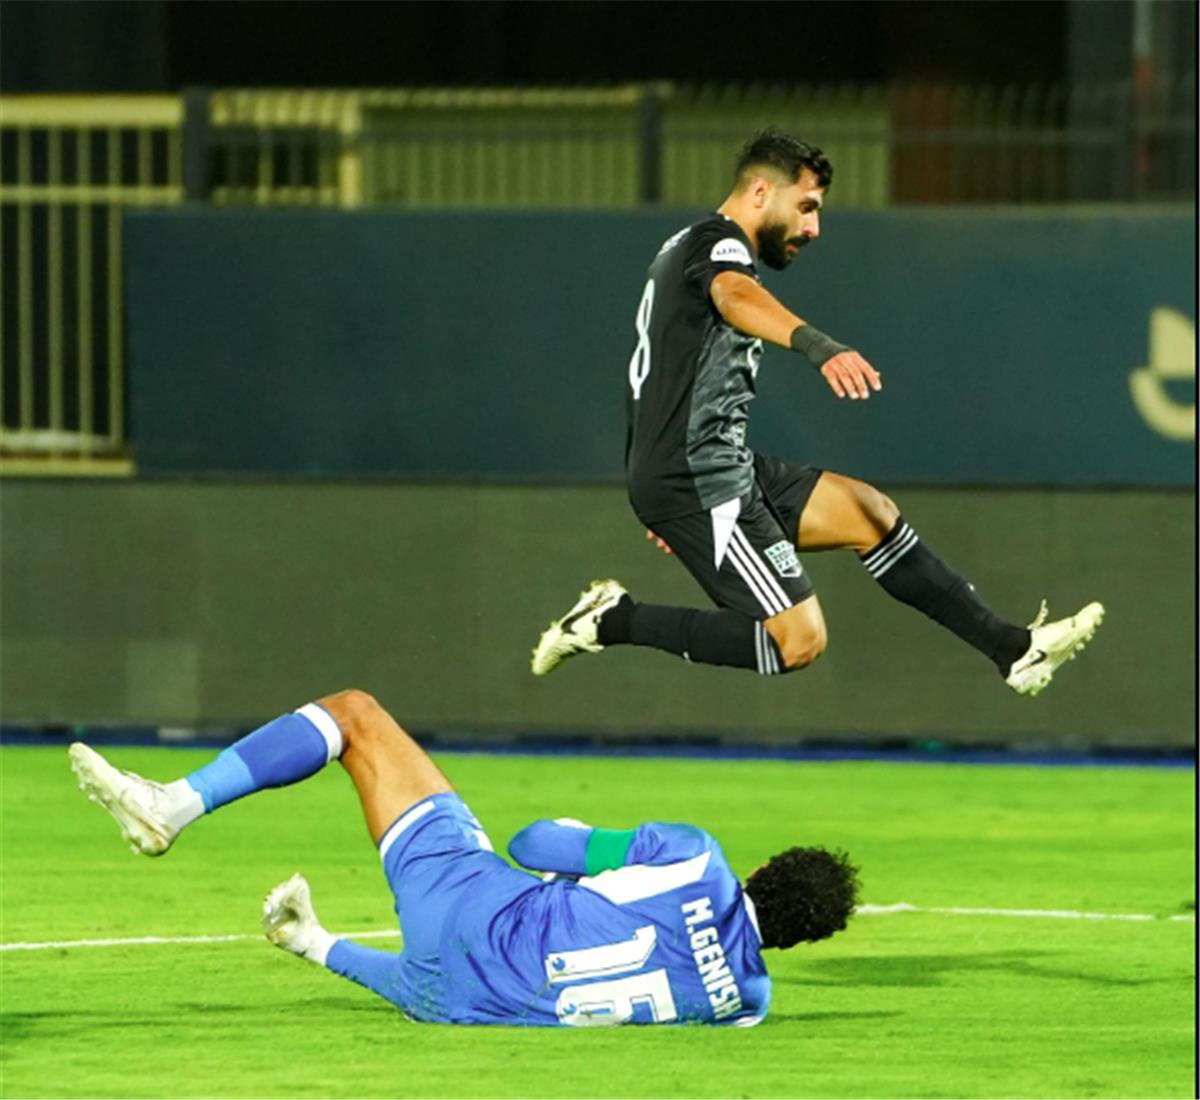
(141, 807)
(1052, 645)
(576, 631)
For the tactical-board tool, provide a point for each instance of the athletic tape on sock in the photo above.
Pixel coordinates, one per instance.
(326, 727)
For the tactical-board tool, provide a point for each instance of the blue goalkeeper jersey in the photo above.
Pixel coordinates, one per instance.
(647, 925)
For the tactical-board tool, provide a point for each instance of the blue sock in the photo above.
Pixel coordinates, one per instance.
(285, 750)
(379, 971)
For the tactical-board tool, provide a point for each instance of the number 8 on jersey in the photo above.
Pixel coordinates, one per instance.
(639, 363)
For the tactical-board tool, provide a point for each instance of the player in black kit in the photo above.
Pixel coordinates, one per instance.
(736, 519)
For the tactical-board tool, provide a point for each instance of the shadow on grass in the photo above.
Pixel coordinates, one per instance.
(176, 1017)
(183, 1018)
(823, 1017)
(926, 970)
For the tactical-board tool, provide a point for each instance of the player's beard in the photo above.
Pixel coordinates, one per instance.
(773, 242)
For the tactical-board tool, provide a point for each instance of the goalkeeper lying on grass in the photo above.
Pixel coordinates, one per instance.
(645, 925)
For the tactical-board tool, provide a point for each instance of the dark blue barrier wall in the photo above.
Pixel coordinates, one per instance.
(172, 602)
(480, 345)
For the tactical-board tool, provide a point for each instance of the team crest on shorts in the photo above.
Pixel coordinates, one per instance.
(783, 556)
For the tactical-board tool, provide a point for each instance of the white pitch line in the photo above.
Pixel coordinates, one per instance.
(137, 941)
(1061, 914)
(862, 910)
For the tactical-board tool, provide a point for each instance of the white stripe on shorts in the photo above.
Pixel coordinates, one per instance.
(756, 574)
(724, 521)
(327, 727)
(401, 823)
(753, 583)
(763, 567)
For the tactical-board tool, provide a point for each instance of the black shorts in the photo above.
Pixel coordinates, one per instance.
(743, 552)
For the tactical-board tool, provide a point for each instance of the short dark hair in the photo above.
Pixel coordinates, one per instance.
(773, 148)
(803, 894)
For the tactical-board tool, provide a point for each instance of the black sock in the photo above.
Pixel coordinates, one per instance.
(708, 637)
(913, 574)
(614, 625)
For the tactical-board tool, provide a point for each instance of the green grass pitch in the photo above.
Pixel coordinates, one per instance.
(915, 1004)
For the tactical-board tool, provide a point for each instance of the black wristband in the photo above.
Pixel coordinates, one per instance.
(814, 345)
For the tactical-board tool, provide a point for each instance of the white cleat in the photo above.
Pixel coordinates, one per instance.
(575, 632)
(289, 920)
(1052, 645)
(140, 806)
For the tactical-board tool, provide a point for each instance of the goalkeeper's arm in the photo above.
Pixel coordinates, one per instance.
(569, 847)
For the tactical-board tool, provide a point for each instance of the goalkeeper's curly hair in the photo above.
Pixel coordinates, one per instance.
(803, 894)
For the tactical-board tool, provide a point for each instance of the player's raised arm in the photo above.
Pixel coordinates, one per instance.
(747, 305)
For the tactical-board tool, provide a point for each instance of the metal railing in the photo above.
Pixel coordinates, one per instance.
(425, 147)
(625, 146)
(579, 148)
(72, 164)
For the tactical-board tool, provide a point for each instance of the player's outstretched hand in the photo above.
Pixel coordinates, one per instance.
(850, 375)
(658, 542)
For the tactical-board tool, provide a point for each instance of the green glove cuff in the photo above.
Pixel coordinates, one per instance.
(606, 849)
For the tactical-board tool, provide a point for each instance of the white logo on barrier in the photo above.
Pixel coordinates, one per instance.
(782, 555)
(731, 250)
(1172, 358)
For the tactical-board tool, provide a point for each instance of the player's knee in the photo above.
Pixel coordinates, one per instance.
(801, 649)
(356, 713)
(879, 509)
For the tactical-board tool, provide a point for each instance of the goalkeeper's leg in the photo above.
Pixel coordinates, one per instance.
(390, 771)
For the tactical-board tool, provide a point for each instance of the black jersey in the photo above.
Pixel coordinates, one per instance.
(690, 379)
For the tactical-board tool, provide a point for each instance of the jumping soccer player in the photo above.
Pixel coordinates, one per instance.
(645, 925)
(735, 519)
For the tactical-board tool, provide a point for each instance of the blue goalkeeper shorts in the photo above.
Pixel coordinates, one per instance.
(439, 864)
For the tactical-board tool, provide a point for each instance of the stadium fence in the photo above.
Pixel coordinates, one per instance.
(72, 164)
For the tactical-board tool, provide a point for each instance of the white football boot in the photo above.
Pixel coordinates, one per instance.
(1051, 645)
(148, 813)
(575, 632)
(290, 922)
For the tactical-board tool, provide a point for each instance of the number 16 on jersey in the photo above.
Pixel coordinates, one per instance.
(639, 363)
(586, 1003)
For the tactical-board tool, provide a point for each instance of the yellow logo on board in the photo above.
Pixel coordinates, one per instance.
(1172, 358)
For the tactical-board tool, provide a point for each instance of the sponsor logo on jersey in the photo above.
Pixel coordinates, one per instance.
(719, 983)
(782, 555)
(732, 251)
